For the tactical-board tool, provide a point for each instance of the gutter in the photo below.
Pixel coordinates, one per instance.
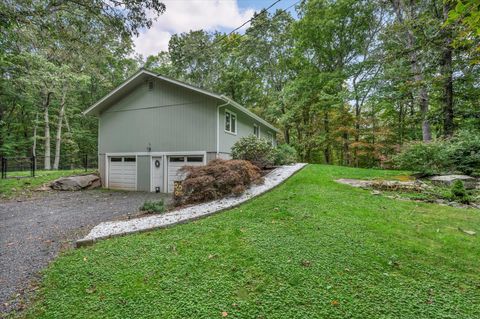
(218, 124)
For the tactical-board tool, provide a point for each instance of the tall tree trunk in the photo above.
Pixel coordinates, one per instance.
(415, 67)
(46, 105)
(326, 150)
(447, 75)
(58, 138)
(34, 146)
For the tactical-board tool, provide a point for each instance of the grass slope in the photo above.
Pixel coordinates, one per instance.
(13, 186)
(311, 248)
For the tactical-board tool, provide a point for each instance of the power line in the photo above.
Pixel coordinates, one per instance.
(243, 24)
(209, 47)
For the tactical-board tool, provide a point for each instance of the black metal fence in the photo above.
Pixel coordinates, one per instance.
(17, 167)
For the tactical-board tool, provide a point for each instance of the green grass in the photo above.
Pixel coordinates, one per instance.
(12, 187)
(311, 248)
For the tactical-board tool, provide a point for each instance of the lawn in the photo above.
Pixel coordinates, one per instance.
(14, 186)
(311, 248)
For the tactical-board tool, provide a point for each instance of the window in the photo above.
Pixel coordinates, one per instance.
(177, 159)
(150, 85)
(116, 159)
(270, 138)
(256, 130)
(194, 158)
(230, 122)
(129, 159)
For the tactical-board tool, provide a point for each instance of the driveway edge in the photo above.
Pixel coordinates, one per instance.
(120, 228)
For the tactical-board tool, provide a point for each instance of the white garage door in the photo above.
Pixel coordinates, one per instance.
(177, 162)
(122, 172)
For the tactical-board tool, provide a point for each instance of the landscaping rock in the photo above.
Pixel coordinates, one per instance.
(447, 180)
(75, 183)
(384, 185)
(468, 232)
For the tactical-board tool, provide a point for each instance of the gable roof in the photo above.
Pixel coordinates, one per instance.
(142, 74)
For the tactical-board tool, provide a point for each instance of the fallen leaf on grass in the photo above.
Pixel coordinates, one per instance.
(91, 290)
(335, 303)
(224, 314)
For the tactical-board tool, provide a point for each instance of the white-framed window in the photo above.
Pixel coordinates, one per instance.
(256, 130)
(230, 122)
(270, 138)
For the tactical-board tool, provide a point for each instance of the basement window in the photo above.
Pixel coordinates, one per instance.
(230, 122)
(195, 159)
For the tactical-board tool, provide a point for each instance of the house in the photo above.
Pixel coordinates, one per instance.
(150, 126)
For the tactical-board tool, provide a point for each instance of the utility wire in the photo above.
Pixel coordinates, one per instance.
(210, 46)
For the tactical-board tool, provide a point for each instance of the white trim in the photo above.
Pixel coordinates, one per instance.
(256, 126)
(230, 124)
(107, 162)
(163, 155)
(156, 153)
(185, 85)
(136, 75)
(218, 127)
(151, 171)
(249, 113)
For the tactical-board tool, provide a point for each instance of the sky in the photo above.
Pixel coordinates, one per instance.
(210, 15)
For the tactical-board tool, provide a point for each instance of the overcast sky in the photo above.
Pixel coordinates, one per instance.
(185, 15)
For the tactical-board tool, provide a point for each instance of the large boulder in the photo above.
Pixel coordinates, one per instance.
(447, 180)
(75, 183)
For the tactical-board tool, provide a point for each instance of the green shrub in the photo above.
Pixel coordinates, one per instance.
(464, 152)
(460, 154)
(285, 154)
(459, 193)
(153, 207)
(256, 150)
(425, 158)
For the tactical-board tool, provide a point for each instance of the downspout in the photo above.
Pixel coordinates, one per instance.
(218, 123)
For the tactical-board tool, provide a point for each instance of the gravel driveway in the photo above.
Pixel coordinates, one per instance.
(32, 232)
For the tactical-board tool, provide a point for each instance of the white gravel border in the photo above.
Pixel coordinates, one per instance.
(118, 228)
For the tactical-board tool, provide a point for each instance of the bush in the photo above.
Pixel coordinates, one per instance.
(218, 179)
(464, 152)
(285, 154)
(256, 150)
(153, 207)
(460, 154)
(458, 189)
(425, 158)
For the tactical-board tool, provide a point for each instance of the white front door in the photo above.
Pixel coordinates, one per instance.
(157, 174)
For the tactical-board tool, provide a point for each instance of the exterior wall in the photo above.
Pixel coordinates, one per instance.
(244, 128)
(168, 118)
(143, 172)
(213, 155)
(101, 168)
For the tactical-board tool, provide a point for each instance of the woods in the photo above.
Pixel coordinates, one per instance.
(348, 82)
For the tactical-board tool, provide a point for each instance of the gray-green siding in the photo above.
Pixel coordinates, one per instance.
(169, 118)
(244, 128)
(143, 172)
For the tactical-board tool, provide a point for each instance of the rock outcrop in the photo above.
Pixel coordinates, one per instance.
(75, 183)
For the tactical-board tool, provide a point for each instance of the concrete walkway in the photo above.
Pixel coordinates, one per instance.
(119, 228)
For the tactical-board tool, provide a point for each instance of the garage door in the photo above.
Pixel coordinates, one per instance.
(122, 173)
(177, 162)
